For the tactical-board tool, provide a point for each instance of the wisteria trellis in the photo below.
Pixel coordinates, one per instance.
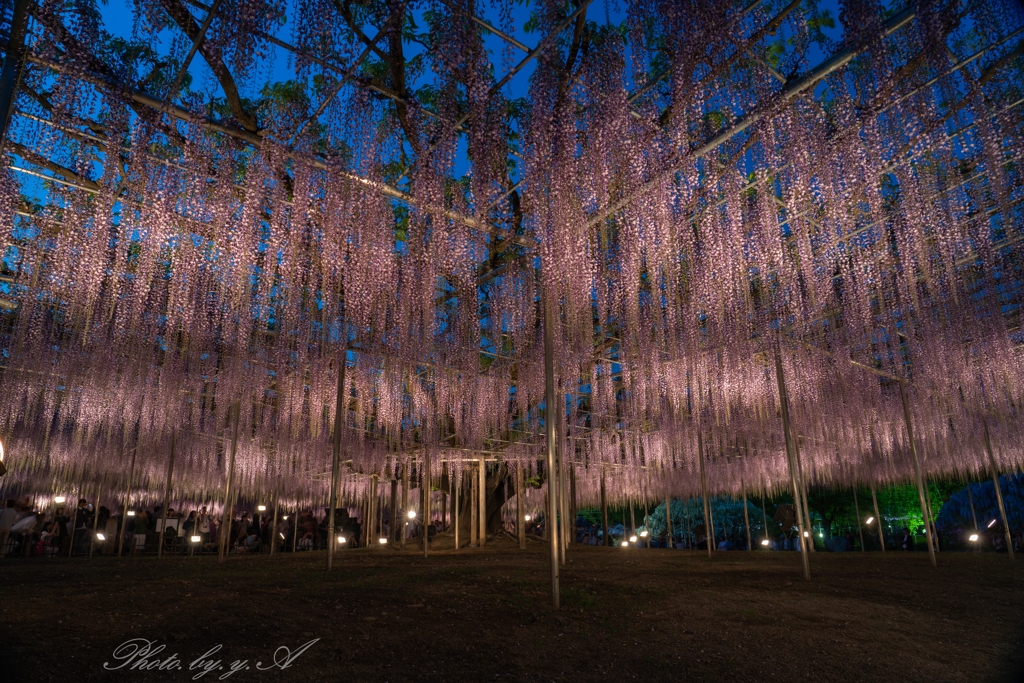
(697, 189)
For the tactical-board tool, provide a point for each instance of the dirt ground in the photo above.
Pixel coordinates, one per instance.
(485, 615)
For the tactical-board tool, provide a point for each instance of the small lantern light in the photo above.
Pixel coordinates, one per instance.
(58, 499)
(632, 539)
(197, 539)
(765, 542)
(100, 537)
(382, 541)
(261, 508)
(341, 539)
(625, 544)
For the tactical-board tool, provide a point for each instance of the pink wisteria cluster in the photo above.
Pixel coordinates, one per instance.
(690, 199)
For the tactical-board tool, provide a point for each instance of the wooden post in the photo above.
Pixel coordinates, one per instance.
(878, 517)
(572, 504)
(405, 502)
(225, 526)
(784, 403)
(340, 408)
(917, 472)
(549, 428)
(856, 510)
(999, 491)
(444, 497)
(167, 501)
(520, 512)
(931, 515)
(127, 499)
(605, 539)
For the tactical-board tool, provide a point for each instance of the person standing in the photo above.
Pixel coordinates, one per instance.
(203, 524)
(8, 516)
(907, 541)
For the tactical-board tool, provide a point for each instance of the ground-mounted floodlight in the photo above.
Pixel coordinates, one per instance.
(196, 539)
(100, 537)
(411, 514)
(765, 543)
(382, 540)
(285, 517)
(130, 513)
(870, 519)
(528, 518)
(972, 537)
(643, 534)
(59, 499)
(281, 535)
(991, 524)
(632, 539)
(625, 544)
(342, 540)
(261, 508)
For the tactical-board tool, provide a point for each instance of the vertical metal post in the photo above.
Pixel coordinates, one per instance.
(520, 512)
(669, 535)
(127, 499)
(456, 485)
(405, 502)
(746, 516)
(167, 501)
(273, 526)
(225, 526)
(856, 510)
(803, 494)
(549, 428)
(970, 499)
(999, 491)
(709, 530)
(474, 513)
(96, 513)
(426, 501)
(917, 472)
(340, 408)
(481, 507)
(764, 515)
(878, 517)
(784, 402)
(394, 508)
(605, 540)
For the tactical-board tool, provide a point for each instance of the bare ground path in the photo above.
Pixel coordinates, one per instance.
(484, 615)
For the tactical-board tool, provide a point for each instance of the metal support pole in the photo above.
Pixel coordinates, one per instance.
(520, 512)
(764, 515)
(709, 531)
(999, 491)
(974, 515)
(225, 526)
(878, 517)
(394, 509)
(856, 510)
(340, 408)
(604, 511)
(405, 502)
(669, 535)
(803, 495)
(273, 526)
(167, 501)
(917, 473)
(96, 514)
(474, 503)
(455, 509)
(549, 428)
(784, 403)
(127, 499)
(746, 517)
(481, 508)
(426, 502)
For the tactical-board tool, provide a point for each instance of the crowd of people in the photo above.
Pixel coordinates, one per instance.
(26, 530)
